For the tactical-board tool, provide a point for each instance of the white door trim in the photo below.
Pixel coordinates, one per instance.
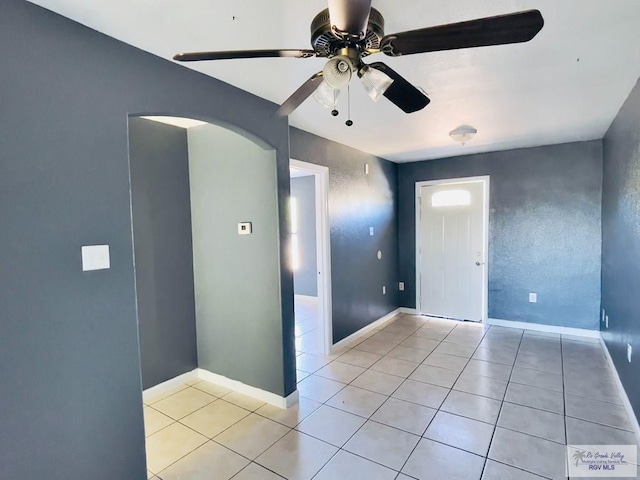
(485, 180)
(323, 245)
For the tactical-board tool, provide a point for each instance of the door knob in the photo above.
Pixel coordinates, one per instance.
(479, 263)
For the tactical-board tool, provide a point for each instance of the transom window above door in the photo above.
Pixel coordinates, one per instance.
(450, 198)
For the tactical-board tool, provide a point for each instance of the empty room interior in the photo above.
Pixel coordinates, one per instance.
(408, 250)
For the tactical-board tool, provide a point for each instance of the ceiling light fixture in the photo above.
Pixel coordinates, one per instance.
(337, 72)
(326, 95)
(374, 81)
(463, 134)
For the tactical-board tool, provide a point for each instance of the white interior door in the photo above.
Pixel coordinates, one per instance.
(451, 250)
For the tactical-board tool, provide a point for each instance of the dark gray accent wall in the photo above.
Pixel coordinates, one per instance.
(357, 202)
(71, 402)
(544, 230)
(621, 242)
(163, 253)
(305, 278)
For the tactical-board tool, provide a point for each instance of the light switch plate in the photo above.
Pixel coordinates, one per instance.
(629, 351)
(384, 290)
(244, 228)
(95, 257)
(533, 298)
(371, 231)
(401, 286)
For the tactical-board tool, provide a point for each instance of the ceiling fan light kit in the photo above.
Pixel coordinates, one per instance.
(350, 30)
(326, 95)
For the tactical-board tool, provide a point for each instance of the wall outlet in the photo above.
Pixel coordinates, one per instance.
(401, 286)
(371, 231)
(629, 351)
(606, 321)
(384, 290)
(244, 228)
(533, 298)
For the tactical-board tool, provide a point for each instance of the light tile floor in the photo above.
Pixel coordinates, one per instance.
(419, 398)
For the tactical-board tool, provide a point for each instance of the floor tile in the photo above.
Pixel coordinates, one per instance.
(595, 387)
(300, 375)
(460, 432)
(499, 471)
(212, 389)
(450, 362)
(359, 358)
(164, 395)
(435, 376)
(291, 416)
(183, 403)
(456, 349)
(394, 366)
(373, 346)
(171, 444)
(533, 454)
(407, 416)
(483, 386)
(598, 412)
(386, 445)
(408, 353)
(319, 389)
(378, 382)
(488, 369)
(252, 435)
(546, 380)
(389, 337)
(468, 405)
(400, 329)
(532, 421)
(580, 432)
(541, 362)
(420, 343)
(155, 421)
(331, 425)
(199, 464)
(432, 460)
(310, 363)
(421, 393)
(505, 357)
(243, 401)
(346, 466)
(297, 456)
(535, 397)
(340, 372)
(253, 471)
(357, 401)
(214, 418)
(432, 333)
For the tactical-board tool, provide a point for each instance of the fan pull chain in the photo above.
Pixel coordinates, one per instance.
(349, 122)
(334, 112)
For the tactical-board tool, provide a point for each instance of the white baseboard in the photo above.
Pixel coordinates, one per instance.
(364, 330)
(169, 385)
(409, 311)
(623, 392)
(539, 327)
(248, 390)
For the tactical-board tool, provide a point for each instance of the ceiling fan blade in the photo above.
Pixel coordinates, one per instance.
(500, 30)
(350, 16)
(404, 95)
(300, 95)
(228, 55)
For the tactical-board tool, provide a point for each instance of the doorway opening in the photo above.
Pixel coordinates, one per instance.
(452, 240)
(311, 257)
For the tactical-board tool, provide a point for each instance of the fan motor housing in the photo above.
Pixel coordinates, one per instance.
(326, 43)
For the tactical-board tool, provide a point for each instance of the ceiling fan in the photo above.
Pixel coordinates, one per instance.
(350, 30)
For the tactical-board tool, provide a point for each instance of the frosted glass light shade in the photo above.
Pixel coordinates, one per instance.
(375, 82)
(326, 96)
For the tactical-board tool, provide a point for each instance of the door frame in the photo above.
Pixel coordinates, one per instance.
(323, 248)
(485, 180)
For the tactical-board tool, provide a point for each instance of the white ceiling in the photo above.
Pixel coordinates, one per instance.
(565, 85)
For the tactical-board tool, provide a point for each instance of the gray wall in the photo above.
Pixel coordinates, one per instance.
(236, 276)
(163, 254)
(621, 242)
(544, 232)
(69, 352)
(356, 202)
(305, 278)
